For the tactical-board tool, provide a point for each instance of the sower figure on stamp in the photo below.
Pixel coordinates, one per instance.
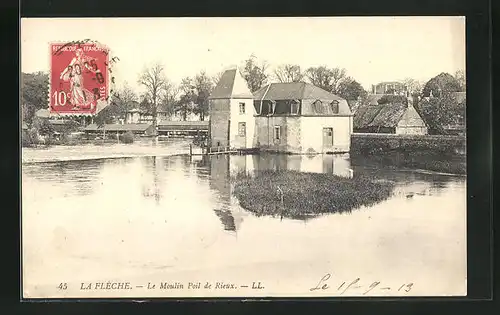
(79, 95)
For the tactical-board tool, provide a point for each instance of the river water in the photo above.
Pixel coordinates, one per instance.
(173, 219)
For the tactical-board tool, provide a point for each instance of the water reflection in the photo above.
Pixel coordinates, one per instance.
(156, 175)
(180, 213)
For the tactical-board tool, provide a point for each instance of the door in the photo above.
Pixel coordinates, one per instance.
(327, 139)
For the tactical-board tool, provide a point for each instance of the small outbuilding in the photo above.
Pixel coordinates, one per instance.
(392, 118)
(118, 129)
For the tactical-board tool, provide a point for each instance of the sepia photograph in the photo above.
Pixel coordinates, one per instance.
(243, 157)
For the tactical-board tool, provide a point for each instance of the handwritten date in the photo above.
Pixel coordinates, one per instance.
(325, 284)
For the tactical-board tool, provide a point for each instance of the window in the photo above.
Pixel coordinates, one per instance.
(242, 108)
(272, 107)
(318, 107)
(241, 129)
(277, 132)
(335, 107)
(294, 107)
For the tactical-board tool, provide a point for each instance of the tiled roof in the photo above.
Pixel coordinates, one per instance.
(293, 90)
(231, 85)
(372, 99)
(386, 115)
(301, 91)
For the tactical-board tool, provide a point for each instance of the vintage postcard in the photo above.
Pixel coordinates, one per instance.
(243, 157)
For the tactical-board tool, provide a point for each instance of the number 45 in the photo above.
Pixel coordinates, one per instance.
(62, 286)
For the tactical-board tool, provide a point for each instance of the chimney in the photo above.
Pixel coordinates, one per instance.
(373, 89)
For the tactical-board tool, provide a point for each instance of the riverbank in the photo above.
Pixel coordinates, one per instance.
(92, 151)
(421, 161)
(294, 194)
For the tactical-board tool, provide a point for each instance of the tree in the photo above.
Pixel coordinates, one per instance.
(441, 111)
(155, 83)
(125, 99)
(288, 73)
(254, 73)
(203, 86)
(185, 105)
(34, 94)
(169, 98)
(327, 79)
(351, 89)
(460, 76)
(443, 83)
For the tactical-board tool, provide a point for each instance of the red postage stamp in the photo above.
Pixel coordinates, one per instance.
(79, 77)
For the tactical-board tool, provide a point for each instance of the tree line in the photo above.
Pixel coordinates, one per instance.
(191, 95)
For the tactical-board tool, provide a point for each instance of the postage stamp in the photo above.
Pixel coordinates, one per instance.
(79, 77)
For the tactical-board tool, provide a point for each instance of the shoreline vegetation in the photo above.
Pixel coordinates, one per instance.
(433, 162)
(298, 195)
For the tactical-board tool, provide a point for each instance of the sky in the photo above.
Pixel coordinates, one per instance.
(371, 49)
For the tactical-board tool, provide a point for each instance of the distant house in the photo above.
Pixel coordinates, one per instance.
(117, 129)
(392, 87)
(394, 118)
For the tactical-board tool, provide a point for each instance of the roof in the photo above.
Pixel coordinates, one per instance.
(183, 125)
(118, 127)
(42, 113)
(293, 90)
(460, 96)
(231, 85)
(284, 92)
(386, 115)
(389, 82)
(62, 122)
(372, 99)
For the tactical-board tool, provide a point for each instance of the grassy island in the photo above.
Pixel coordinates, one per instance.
(299, 195)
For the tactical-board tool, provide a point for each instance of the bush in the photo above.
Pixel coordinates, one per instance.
(30, 138)
(306, 194)
(393, 99)
(127, 137)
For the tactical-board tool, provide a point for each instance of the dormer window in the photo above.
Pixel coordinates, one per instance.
(294, 107)
(272, 107)
(334, 105)
(318, 107)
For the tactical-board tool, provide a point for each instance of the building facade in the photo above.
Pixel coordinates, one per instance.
(231, 111)
(301, 118)
(392, 87)
(282, 117)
